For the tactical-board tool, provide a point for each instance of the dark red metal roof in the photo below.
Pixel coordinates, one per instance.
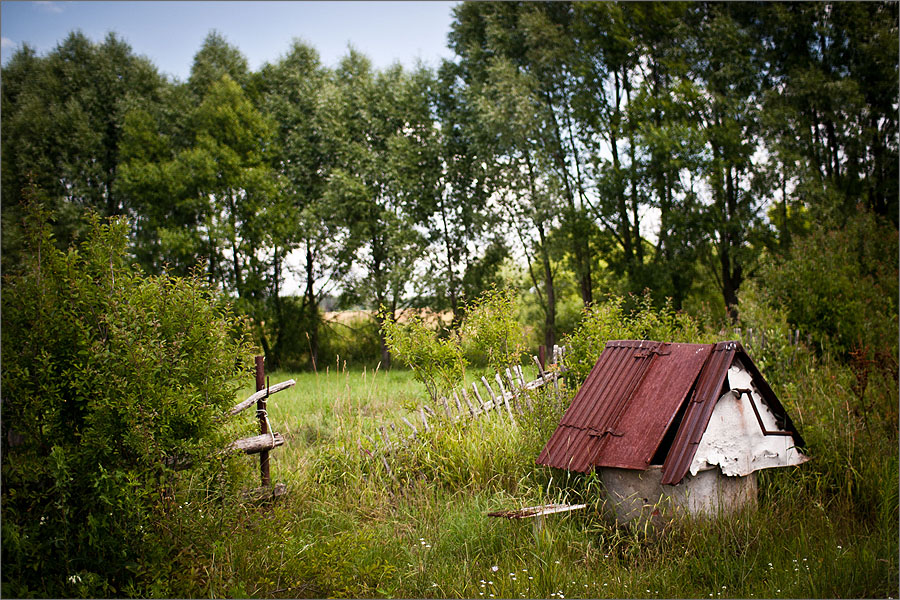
(632, 397)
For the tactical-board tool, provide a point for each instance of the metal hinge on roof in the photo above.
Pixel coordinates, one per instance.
(661, 350)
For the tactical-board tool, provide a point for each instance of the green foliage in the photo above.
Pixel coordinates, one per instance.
(610, 320)
(839, 286)
(767, 335)
(355, 342)
(106, 375)
(438, 363)
(492, 330)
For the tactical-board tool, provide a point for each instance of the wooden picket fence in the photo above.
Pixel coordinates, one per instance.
(507, 396)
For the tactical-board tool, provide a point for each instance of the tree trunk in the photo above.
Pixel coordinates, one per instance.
(550, 293)
(312, 307)
(579, 238)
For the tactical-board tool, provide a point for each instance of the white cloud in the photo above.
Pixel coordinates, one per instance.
(7, 43)
(51, 7)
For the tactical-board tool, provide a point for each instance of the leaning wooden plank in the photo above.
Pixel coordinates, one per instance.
(446, 407)
(384, 438)
(494, 403)
(458, 404)
(482, 406)
(413, 427)
(257, 443)
(516, 399)
(513, 384)
(539, 367)
(520, 374)
(472, 410)
(424, 420)
(504, 395)
(522, 383)
(536, 511)
(260, 395)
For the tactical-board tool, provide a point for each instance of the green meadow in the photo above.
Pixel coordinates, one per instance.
(349, 527)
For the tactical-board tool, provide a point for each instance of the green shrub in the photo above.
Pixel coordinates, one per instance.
(773, 345)
(106, 375)
(355, 342)
(438, 363)
(839, 286)
(492, 331)
(609, 320)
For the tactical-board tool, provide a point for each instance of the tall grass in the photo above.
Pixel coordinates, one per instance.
(352, 527)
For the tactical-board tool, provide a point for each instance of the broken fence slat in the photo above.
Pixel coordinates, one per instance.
(260, 395)
(411, 426)
(539, 367)
(504, 395)
(472, 410)
(494, 403)
(458, 404)
(424, 420)
(511, 377)
(446, 407)
(520, 374)
(536, 511)
(384, 438)
(481, 403)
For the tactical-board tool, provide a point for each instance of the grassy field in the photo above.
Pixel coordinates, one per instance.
(350, 528)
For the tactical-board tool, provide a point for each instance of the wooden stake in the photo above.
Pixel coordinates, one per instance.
(263, 421)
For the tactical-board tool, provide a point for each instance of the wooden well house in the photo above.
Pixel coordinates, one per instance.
(674, 427)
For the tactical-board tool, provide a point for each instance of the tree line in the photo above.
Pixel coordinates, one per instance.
(574, 149)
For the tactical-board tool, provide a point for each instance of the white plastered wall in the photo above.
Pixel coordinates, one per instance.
(733, 440)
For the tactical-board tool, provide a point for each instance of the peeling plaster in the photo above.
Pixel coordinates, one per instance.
(733, 440)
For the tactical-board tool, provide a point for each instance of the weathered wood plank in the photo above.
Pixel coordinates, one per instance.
(539, 368)
(385, 438)
(481, 403)
(256, 443)
(260, 395)
(504, 395)
(494, 403)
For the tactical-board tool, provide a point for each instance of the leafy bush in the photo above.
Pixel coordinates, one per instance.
(839, 286)
(107, 374)
(492, 331)
(773, 345)
(609, 320)
(354, 342)
(438, 363)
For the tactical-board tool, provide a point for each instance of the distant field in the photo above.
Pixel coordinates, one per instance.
(430, 317)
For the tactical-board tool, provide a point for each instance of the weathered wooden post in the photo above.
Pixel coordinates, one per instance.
(263, 420)
(542, 356)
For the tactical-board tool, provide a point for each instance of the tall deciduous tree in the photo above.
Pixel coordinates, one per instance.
(371, 116)
(309, 229)
(62, 118)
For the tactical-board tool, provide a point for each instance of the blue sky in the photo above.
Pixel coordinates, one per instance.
(169, 33)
